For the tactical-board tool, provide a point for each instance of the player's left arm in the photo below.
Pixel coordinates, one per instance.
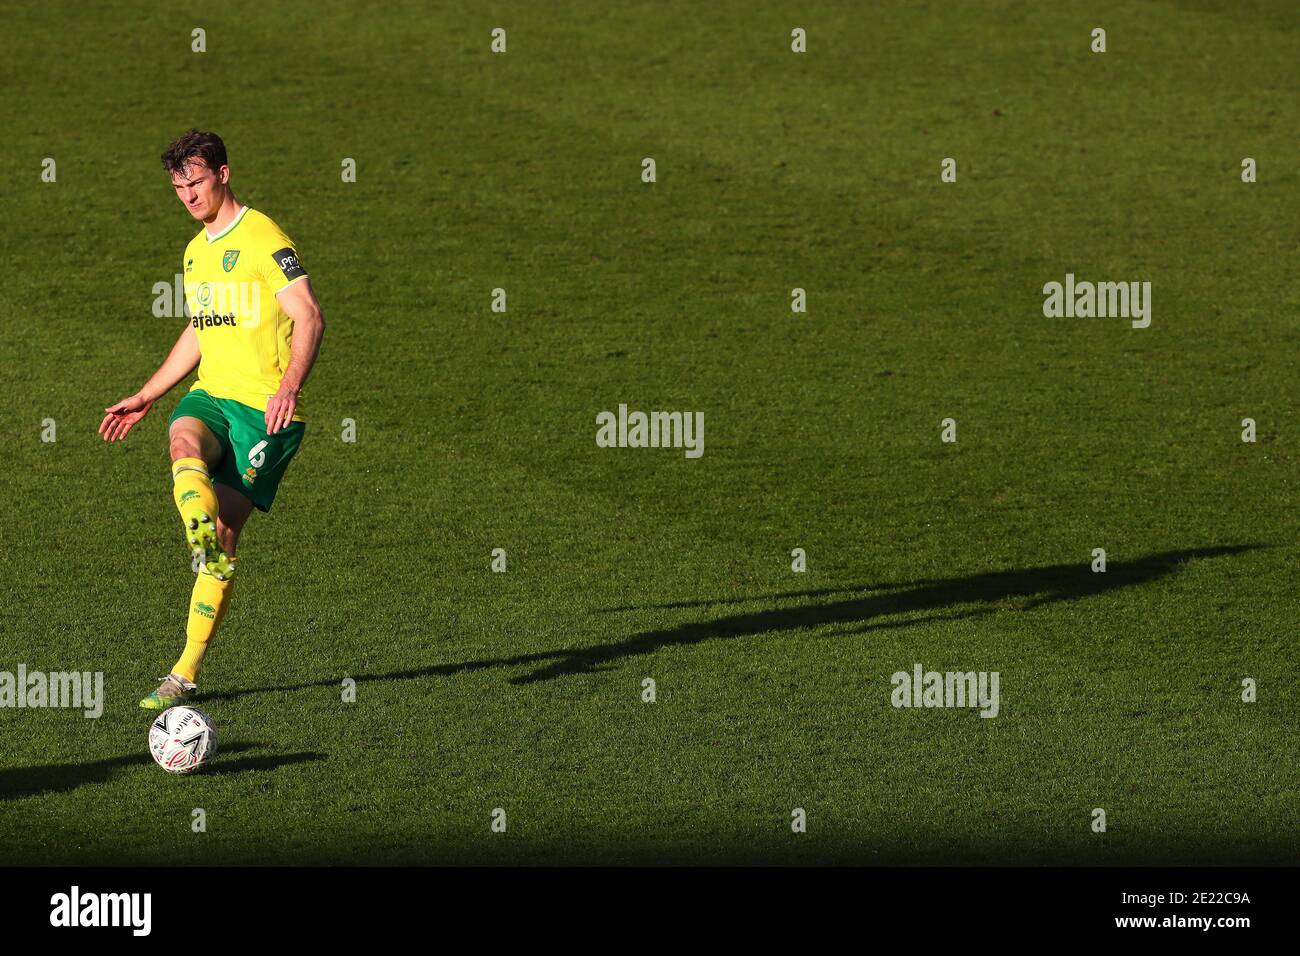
(298, 301)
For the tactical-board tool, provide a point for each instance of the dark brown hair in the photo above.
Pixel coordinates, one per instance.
(195, 144)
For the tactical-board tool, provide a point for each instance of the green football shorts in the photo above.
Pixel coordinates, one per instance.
(252, 462)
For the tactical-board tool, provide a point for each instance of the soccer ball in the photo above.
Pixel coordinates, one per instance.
(182, 739)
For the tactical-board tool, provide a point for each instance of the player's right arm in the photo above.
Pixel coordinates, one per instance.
(123, 416)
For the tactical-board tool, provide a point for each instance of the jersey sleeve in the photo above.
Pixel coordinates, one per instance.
(278, 262)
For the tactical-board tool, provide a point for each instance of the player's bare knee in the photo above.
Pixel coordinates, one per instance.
(184, 445)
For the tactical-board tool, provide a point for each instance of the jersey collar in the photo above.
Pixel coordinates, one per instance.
(233, 223)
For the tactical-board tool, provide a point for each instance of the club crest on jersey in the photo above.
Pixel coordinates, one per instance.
(228, 260)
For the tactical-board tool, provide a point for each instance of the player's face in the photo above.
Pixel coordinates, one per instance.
(202, 190)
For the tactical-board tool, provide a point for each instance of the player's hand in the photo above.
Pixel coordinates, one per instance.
(123, 416)
(280, 409)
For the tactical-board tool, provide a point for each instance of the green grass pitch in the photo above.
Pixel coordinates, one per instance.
(475, 430)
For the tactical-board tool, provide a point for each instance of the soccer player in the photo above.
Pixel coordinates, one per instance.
(253, 328)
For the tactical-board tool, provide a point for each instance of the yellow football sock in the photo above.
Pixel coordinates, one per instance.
(208, 604)
(192, 488)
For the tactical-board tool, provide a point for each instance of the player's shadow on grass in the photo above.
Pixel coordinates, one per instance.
(19, 782)
(876, 607)
(893, 606)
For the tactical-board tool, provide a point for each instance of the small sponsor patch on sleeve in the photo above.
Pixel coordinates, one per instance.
(288, 262)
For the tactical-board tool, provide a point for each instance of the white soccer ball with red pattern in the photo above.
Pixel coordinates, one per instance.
(182, 739)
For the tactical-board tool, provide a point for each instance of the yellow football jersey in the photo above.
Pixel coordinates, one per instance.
(231, 281)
